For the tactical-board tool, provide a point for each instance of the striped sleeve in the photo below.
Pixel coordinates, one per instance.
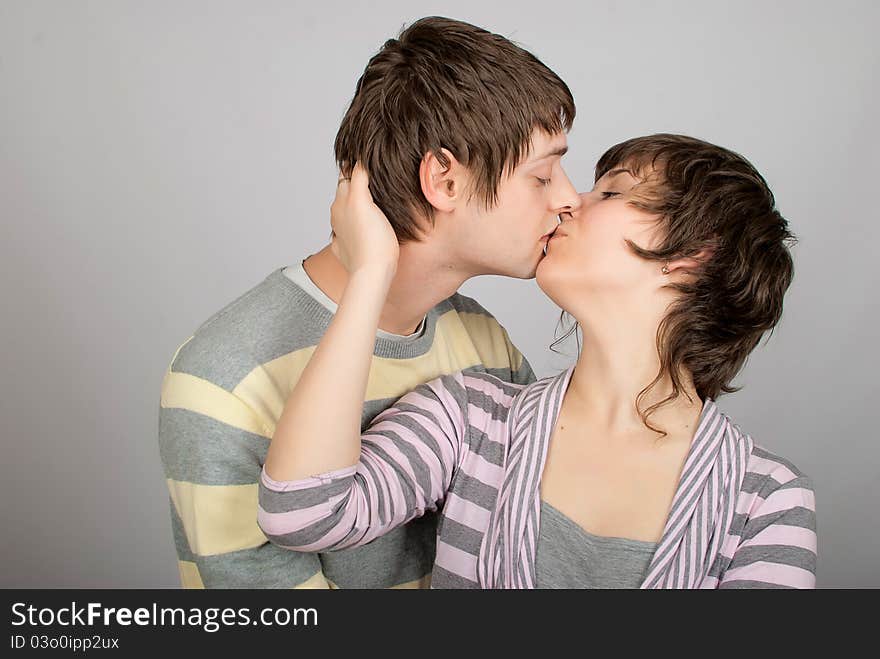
(408, 457)
(778, 544)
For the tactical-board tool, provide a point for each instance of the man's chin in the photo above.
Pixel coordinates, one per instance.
(522, 270)
(529, 272)
(532, 271)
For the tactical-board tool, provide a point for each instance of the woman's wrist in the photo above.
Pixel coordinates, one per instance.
(378, 275)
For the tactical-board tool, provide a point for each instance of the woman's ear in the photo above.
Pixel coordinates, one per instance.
(441, 176)
(687, 264)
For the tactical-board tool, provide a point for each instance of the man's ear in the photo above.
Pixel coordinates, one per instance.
(441, 176)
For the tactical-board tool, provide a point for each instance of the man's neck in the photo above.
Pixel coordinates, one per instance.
(424, 278)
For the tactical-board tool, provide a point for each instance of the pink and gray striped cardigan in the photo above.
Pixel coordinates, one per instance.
(474, 448)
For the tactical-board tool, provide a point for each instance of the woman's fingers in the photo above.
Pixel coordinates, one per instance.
(359, 178)
(363, 235)
(340, 201)
(334, 247)
(360, 186)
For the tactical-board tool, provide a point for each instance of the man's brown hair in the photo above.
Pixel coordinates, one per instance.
(445, 84)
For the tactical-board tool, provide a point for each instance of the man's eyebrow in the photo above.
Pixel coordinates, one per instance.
(559, 151)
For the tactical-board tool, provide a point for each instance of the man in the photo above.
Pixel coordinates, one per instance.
(462, 134)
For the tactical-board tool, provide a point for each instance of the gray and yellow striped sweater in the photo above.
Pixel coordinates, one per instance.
(225, 390)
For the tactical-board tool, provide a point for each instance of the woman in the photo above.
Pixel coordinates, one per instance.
(619, 472)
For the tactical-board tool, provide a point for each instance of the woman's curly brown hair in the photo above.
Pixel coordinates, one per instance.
(708, 198)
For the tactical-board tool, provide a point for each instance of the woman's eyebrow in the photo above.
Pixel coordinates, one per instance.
(617, 172)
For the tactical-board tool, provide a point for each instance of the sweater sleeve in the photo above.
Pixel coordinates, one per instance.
(408, 458)
(778, 546)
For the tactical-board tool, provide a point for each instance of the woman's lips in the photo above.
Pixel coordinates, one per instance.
(556, 233)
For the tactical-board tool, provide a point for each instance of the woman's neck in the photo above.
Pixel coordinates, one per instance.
(618, 361)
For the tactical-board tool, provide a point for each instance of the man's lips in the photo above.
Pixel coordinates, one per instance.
(547, 236)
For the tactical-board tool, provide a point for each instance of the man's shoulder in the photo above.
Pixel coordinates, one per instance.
(270, 320)
(490, 339)
(480, 324)
(464, 304)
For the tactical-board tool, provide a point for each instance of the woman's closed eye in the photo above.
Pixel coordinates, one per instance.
(543, 181)
(608, 194)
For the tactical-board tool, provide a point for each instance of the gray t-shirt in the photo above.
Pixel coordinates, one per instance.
(567, 556)
(297, 273)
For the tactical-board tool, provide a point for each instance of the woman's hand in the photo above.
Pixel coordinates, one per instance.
(362, 239)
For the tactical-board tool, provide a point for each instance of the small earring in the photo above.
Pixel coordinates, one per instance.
(665, 270)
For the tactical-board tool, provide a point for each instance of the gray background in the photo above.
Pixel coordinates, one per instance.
(159, 158)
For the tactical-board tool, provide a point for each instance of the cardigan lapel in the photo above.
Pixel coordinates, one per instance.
(704, 503)
(507, 553)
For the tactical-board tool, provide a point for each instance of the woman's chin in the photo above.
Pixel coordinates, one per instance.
(557, 281)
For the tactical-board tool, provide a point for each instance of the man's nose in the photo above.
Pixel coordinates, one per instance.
(569, 199)
(565, 197)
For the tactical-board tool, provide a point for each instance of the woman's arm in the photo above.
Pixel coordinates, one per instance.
(407, 461)
(323, 485)
(778, 546)
(319, 429)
